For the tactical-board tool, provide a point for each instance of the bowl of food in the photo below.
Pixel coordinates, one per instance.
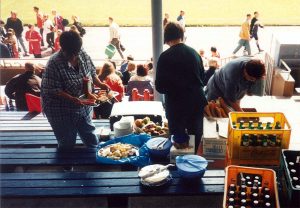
(191, 166)
(159, 146)
(118, 151)
(155, 175)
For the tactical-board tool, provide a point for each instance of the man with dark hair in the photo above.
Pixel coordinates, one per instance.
(18, 86)
(15, 23)
(62, 85)
(180, 76)
(254, 29)
(234, 80)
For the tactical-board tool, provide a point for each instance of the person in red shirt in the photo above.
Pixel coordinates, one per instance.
(39, 22)
(56, 42)
(34, 39)
(108, 76)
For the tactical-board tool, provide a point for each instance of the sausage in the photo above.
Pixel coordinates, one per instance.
(218, 112)
(224, 106)
(212, 109)
(207, 111)
(224, 115)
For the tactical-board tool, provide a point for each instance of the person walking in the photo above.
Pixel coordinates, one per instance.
(255, 24)
(179, 76)
(34, 39)
(181, 22)
(166, 19)
(115, 36)
(39, 22)
(62, 84)
(49, 31)
(15, 23)
(245, 36)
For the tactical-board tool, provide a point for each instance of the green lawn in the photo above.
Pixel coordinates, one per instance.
(138, 12)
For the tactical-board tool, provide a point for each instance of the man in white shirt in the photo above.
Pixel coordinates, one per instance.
(115, 35)
(48, 30)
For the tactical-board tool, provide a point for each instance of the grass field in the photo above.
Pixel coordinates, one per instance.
(138, 12)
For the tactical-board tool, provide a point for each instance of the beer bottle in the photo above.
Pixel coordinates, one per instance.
(277, 126)
(242, 124)
(266, 191)
(251, 125)
(245, 140)
(278, 141)
(264, 140)
(231, 194)
(254, 189)
(231, 201)
(272, 140)
(243, 195)
(255, 203)
(243, 188)
(268, 126)
(267, 198)
(232, 187)
(259, 126)
(234, 124)
(267, 204)
(254, 139)
(293, 173)
(254, 196)
(295, 181)
(243, 202)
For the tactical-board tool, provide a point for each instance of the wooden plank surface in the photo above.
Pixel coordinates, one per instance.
(103, 184)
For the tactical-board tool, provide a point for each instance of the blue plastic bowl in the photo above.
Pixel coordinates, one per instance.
(180, 138)
(152, 144)
(191, 166)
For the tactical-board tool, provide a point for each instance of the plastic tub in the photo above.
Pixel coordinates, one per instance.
(191, 166)
(163, 142)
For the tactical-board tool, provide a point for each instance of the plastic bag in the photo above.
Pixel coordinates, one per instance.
(136, 140)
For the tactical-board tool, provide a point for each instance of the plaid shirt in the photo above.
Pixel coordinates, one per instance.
(61, 76)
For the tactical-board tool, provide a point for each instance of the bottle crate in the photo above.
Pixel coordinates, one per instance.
(256, 154)
(291, 189)
(267, 178)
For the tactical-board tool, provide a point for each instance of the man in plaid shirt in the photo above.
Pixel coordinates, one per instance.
(62, 84)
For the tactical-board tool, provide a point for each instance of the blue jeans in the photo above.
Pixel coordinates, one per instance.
(245, 43)
(66, 131)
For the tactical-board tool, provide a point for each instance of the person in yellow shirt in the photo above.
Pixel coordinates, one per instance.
(245, 36)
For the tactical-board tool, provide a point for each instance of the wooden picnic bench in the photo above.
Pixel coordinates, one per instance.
(116, 186)
(27, 141)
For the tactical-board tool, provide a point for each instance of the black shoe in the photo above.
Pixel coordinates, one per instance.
(260, 50)
(26, 54)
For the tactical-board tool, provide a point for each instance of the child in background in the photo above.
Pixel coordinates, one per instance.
(11, 42)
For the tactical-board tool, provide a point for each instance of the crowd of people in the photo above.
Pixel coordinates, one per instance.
(187, 78)
(41, 35)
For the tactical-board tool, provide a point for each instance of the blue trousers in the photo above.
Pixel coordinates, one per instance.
(66, 131)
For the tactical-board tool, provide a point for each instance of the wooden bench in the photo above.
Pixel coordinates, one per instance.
(27, 141)
(117, 186)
